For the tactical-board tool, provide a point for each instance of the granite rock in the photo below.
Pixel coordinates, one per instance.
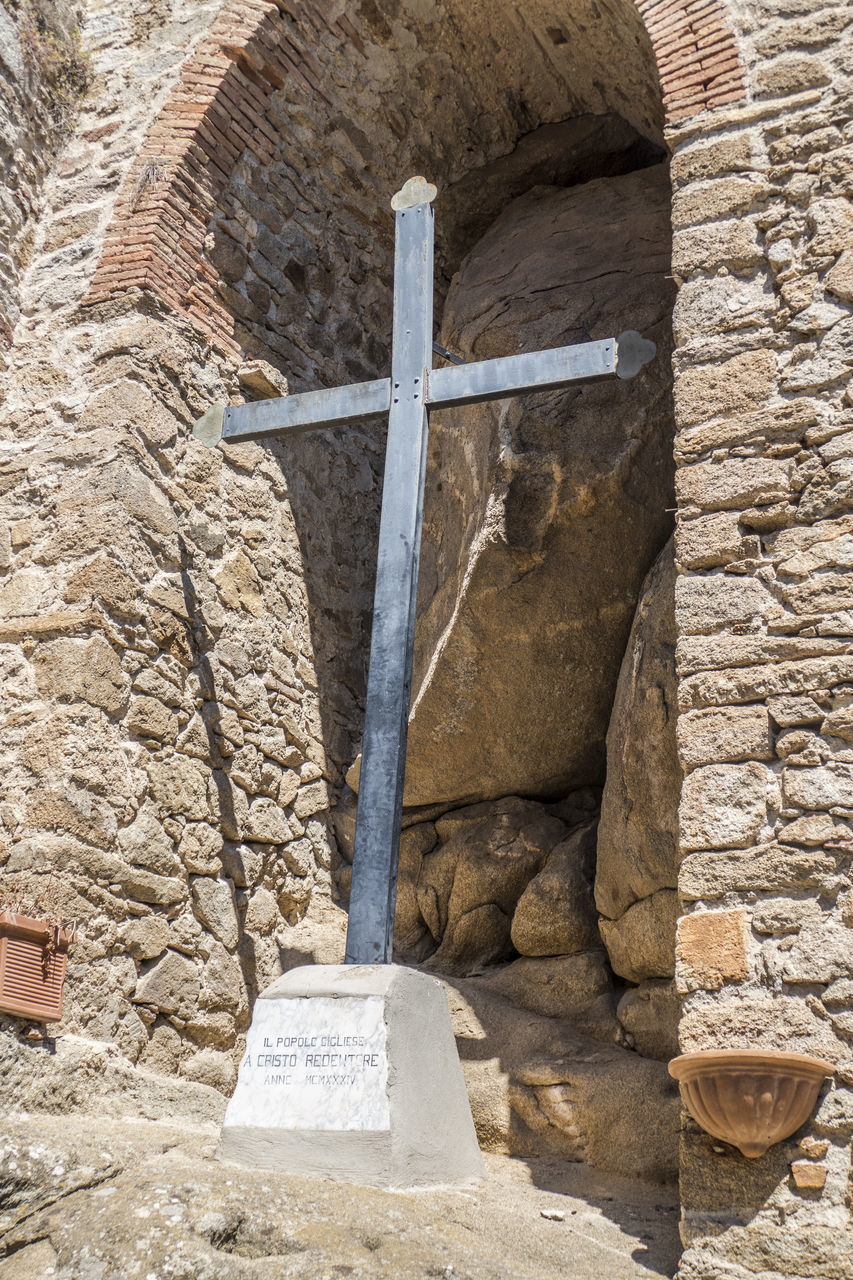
(555, 915)
(638, 831)
(531, 501)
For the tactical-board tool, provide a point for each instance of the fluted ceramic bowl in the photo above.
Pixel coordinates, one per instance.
(749, 1097)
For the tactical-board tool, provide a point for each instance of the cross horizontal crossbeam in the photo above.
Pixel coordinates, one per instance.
(446, 388)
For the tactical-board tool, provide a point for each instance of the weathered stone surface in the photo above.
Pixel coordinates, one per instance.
(513, 535)
(555, 915)
(641, 943)
(818, 788)
(822, 952)
(784, 915)
(82, 670)
(730, 387)
(145, 938)
(92, 1077)
(577, 988)
(265, 821)
(723, 806)
(469, 885)
(412, 938)
(171, 985)
(710, 603)
(712, 949)
(808, 1175)
(839, 281)
(774, 868)
(724, 734)
(538, 1086)
(814, 829)
(769, 1021)
(638, 830)
(150, 719)
(85, 1182)
(215, 907)
(709, 541)
(649, 1014)
(146, 844)
(211, 1068)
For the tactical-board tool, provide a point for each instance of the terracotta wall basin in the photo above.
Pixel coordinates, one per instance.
(749, 1097)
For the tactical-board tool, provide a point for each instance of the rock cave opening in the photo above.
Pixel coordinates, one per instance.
(543, 518)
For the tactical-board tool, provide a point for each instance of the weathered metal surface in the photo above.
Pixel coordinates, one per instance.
(208, 428)
(380, 801)
(514, 375)
(632, 352)
(311, 411)
(413, 192)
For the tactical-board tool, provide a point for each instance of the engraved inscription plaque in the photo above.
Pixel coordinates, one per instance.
(318, 1063)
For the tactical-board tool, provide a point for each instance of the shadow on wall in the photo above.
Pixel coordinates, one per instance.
(540, 1087)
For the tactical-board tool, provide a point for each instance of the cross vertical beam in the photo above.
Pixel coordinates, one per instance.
(380, 798)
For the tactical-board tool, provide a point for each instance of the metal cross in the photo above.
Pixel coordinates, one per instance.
(407, 397)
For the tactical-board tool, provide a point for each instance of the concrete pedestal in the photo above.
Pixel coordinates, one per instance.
(351, 1072)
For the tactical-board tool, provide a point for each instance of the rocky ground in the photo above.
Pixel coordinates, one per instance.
(88, 1199)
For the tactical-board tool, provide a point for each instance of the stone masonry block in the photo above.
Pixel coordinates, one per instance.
(822, 952)
(724, 734)
(729, 155)
(787, 422)
(734, 242)
(723, 806)
(724, 198)
(735, 385)
(705, 604)
(819, 788)
(808, 1176)
(709, 541)
(711, 949)
(721, 303)
(82, 670)
(771, 868)
(735, 483)
(790, 74)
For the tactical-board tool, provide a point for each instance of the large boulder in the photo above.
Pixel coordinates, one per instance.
(641, 943)
(469, 885)
(483, 883)
(555, 915)
(538, 1086)
(649, 1016)
(637, 864)
(542, 514)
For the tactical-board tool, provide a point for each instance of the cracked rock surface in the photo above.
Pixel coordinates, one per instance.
(122, 1199)
(543, 513)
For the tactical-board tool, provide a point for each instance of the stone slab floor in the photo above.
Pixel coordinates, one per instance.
(83, 1198)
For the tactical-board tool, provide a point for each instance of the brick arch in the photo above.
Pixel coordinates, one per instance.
(216, 112)
(697, 54)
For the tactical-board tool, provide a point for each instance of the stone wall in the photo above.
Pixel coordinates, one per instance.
(763, 245)
(43, 72)
(167, 773)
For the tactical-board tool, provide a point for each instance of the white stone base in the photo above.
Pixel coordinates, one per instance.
(351, 1072)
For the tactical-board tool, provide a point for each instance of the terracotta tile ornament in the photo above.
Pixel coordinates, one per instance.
(751, 1098)
(33, 956)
